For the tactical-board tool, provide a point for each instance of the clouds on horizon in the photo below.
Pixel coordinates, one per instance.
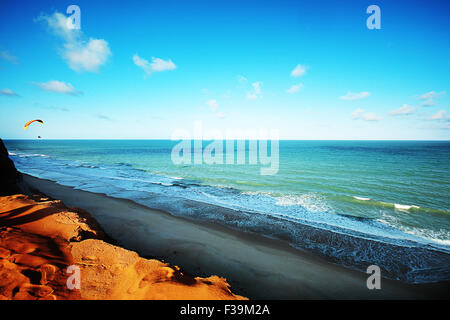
(403, 111)
(360, 114)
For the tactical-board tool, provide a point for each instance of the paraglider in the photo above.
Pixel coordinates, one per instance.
(30, 122)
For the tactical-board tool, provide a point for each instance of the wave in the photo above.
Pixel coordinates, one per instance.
(30, 155)
(361, 198)
(398, 206)
(404, 206)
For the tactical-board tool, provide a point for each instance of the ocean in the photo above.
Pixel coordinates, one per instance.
(355, 203)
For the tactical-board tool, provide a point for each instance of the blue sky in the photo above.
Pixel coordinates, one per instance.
(143, 69)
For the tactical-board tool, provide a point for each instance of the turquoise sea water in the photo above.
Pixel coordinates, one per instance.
(355, 202)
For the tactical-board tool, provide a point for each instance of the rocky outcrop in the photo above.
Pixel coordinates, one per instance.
(9, 176)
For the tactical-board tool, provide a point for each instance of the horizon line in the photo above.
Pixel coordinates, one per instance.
(166, 139)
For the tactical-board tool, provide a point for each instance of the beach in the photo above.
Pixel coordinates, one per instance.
(352, 203)
(254, 266)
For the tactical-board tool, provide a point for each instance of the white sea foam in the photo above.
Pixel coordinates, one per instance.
(30, 155)
(310, 201)
(404, 206)
(256, 193)
(441, 237)
(440, 241)
(361, 198)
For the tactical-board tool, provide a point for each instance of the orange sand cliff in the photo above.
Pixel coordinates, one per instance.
(40, 238)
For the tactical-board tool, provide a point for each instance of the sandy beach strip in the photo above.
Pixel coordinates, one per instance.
(256, 267)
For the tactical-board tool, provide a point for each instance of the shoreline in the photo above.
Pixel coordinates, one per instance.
(255, 266)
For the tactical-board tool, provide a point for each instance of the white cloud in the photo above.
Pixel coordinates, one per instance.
(242, 79)
(157, 64)
(355, 96)
(59, 26)
(87, 57)
(446, 125)
(440, 115)
(295, 88)
(428, 103)
(213, 105)
(429, 98)
(142, 63)
(161, 65)
(430, 95)
(298, 71)
(80, 55)
(357, 113)
(5, 55)
(360, 114)
(59, 87)
(7, 92)
(257, 91)
(257, 87)
(227, 94)
(370, 117)
(403, 110)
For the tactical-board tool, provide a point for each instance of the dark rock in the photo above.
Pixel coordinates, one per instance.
(10, 178)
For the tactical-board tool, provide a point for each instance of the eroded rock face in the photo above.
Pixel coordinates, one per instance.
(9, 176)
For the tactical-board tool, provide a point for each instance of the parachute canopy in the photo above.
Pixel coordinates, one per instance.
(30, 122)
